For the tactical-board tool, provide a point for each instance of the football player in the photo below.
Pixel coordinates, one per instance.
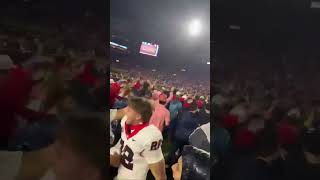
(139, 148)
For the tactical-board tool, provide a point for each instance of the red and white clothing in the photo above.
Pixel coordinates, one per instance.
(138, 149)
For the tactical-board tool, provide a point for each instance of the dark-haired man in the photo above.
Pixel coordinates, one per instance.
(204, 114)
(185, 126)
(139, 148)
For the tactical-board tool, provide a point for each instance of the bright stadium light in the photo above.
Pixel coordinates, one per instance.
(194, 27)
(208, 62)
(117, 61)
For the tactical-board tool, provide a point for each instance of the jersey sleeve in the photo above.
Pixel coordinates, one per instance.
(115, 149)
(152, 150)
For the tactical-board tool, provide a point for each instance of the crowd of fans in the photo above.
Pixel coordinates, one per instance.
(266, 122)
(180, 113)
(166, 81)
(53, 102)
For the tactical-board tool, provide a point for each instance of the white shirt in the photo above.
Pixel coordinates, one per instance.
(138, 152)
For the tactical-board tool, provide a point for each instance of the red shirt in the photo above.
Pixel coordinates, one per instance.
(200, 104)
(230, 121)
(245, 139)
(181, 100)
(287, 134)
(186, 105)
(114, 92)
(137, 85)
(87, 77)
(15, 90)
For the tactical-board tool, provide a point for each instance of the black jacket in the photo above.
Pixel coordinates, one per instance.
(195, 164)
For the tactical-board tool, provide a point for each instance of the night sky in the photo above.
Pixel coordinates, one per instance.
(165, 23)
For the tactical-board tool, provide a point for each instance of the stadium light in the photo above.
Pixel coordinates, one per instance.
(194, 27)
(208, 62)
(117, 61)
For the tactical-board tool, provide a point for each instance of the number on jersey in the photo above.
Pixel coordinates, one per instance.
(126, 156)
(155, 145)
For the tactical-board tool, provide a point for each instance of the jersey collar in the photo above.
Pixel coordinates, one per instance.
(132, 130)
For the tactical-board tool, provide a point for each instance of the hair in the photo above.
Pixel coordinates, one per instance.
(141, 106)
(86, 135)
(175, 91)
(146, 86)
(193, 106)
(167, 93)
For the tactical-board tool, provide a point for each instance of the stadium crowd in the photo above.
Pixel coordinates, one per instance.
(266, 121)
(179, 115)
(52, 101)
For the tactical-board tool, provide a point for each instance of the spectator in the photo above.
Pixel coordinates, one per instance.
(185, 126)
(160, 116)
(204, 114)
(200, 138)
(193, 163)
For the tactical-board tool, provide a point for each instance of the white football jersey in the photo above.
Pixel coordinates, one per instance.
(138, 152)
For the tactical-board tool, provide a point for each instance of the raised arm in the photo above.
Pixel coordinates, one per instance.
(117, 114)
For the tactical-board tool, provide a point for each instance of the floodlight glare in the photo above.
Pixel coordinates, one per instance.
(194, 27)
